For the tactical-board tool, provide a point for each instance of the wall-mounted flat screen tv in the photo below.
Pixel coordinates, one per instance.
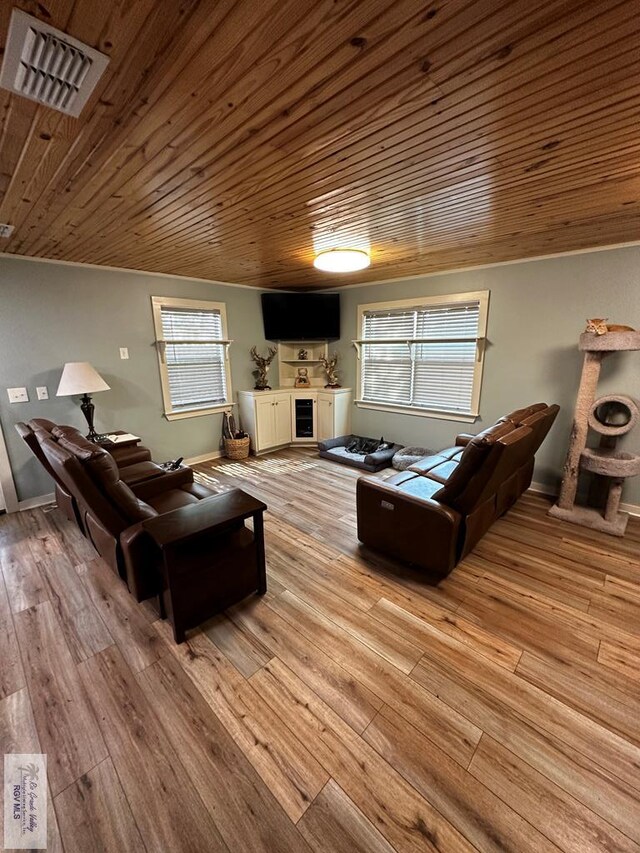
(301, 316)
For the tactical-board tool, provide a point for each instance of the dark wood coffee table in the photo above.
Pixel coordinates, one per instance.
(209, 559)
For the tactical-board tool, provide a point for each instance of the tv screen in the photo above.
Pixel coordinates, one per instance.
(301, 316)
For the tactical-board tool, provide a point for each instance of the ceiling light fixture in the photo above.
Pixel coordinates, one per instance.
(342, 260)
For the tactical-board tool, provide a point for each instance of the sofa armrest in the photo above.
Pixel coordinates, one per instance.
(413, 529)
(330, 443)
(182, 476)
(128, 455)
(463, 439)
(209, 515)
(141, 543)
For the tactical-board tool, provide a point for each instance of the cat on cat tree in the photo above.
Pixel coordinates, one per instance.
(599, 326)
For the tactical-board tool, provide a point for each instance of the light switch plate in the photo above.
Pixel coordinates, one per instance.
(18, 395)
(43, 392)
(124, 352)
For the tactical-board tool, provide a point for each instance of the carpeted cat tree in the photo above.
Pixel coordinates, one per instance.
(610, 417)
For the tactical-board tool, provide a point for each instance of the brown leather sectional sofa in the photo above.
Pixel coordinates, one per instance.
(434, 513)
(110, 504)
(134, 464)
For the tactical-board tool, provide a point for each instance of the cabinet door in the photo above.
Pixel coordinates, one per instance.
(265, 422)
(282, 425)
(325, 417)
(341, 414)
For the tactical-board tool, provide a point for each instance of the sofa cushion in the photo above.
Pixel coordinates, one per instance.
(419, 487)
(490, 435)
(471, 460)
(103, 471)
(399, 478)
(74, 442)
(42, 423)
(172, 499)
(423, 466)
(454, 452)
(540, 423)
(518, 416)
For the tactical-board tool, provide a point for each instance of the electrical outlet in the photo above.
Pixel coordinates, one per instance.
(43, 392)
(18, 395)
(124, 352)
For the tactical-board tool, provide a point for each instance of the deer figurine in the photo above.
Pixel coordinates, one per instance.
(330, 369)
(262, 367)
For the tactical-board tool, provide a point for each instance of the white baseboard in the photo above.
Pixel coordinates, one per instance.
(541, 489)
(39, 500)
(195, 460)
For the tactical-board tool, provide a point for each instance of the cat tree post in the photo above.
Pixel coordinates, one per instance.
(611, 417)
(580, 428)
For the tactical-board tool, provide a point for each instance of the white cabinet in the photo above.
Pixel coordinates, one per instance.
(334, 414)
(267, 418)
(286, 416)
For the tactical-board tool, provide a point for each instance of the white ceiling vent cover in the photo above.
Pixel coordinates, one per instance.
(48, 66)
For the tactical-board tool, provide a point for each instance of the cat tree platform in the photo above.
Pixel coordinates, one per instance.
(611, 342)
(610, 463)
(587, 516)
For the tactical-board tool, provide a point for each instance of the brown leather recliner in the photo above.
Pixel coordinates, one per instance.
(112, 512)
(435, 512)
(134, 463)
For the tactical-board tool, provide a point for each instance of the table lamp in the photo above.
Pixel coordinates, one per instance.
(79, 377)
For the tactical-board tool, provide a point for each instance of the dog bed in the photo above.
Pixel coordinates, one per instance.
(335, 449)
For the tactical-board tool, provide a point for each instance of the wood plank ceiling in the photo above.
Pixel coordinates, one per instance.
(229, 140)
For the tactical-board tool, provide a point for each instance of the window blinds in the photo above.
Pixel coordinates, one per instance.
(414, 357)
(195, 363)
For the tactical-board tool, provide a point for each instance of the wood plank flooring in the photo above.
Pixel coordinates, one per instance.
(353, 709)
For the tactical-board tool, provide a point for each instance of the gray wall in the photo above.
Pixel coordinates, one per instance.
(537, 311)
(52, 313)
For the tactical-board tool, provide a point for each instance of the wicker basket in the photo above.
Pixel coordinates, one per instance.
(236, 448)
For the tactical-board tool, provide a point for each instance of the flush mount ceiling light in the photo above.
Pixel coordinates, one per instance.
(342, 260)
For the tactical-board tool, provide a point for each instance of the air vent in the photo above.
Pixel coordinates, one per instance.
(5, 231)
(48, 66)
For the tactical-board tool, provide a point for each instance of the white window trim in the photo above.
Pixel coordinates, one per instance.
(482, 297)
(157, 303)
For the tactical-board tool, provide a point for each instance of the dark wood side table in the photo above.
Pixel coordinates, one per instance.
(209, 559)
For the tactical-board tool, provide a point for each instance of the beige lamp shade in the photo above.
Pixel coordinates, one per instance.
(79, 377)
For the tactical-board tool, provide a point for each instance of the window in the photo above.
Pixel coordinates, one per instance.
(191, 338)
(423, 357)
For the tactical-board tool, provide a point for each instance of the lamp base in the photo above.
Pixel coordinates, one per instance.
(88, 410)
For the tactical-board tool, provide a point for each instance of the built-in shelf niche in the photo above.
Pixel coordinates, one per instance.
(289, 361)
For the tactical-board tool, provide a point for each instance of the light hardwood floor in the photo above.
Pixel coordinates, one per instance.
(353, 709)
